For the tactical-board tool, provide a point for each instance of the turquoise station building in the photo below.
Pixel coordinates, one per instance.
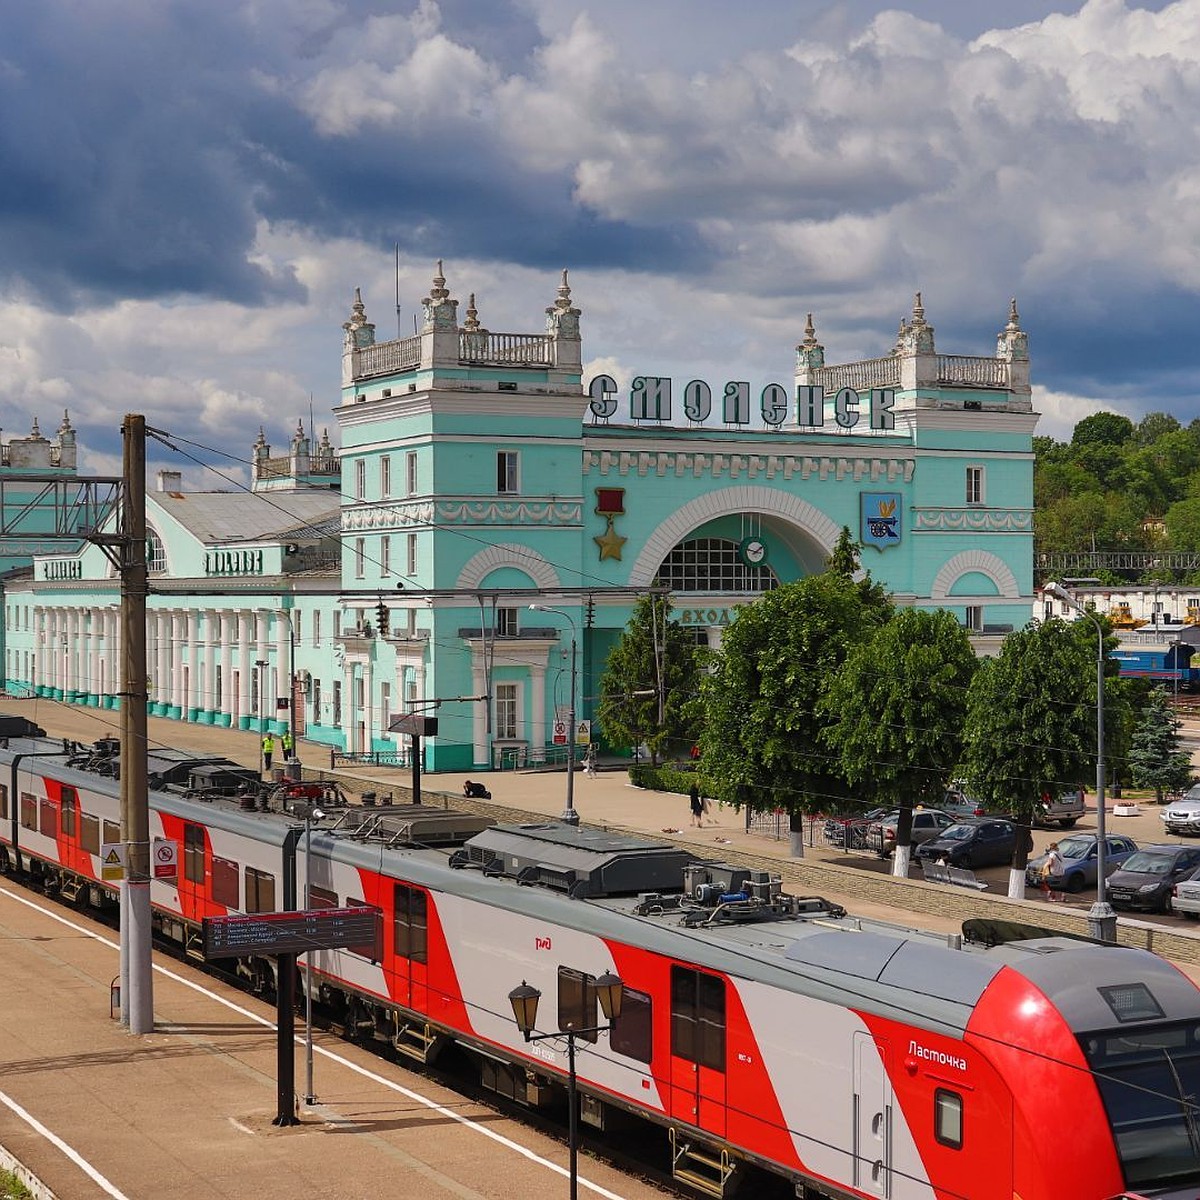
(475, 546)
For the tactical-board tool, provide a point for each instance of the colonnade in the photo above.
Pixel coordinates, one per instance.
(208, 665)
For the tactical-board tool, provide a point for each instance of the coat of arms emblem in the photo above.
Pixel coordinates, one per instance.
(880, 519)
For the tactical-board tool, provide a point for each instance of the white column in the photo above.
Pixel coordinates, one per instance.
(112, 676)
(118, 643)
(195, 701)
(50, 648)
(39, 647)
(537, 707)
(479, 751)
(348, 723)
(179, 633)
(212, 651)
(368, 678)
(245, 620)
(282, 661)
(162, 669)
(73, 665)
(228, 637)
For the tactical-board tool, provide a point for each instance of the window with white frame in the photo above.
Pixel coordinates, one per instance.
(385, 555)
(975, 618)
(385, 707)
(507, 475)
(506, 622)
(974, 485)
(316, 626)
(412, 554)
(410, 687)
(360, 479)
(506, 711)
(410, 472)
(360, 558)
(385, 476)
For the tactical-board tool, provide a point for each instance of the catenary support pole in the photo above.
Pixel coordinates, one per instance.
(137, 998)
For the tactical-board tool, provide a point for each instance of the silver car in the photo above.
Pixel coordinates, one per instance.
(1185, 897)
(1183, 816)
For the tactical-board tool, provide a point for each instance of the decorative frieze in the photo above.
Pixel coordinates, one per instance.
(973, 520)
(463, 510)
(748, 466)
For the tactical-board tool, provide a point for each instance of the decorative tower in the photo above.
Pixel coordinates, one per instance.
(66, 443)
(259, 454)
(562, 324)
(299, 454)
(810, 355)
(918, 359)
(439, 333)
(475, 337)
(1012, 347)
(356, 333)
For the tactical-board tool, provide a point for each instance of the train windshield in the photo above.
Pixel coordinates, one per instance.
(1149, 1080)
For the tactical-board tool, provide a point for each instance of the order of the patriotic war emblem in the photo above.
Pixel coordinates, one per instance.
(881, 519)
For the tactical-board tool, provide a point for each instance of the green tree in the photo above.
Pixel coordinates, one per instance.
(1102, 428)
(1183, 525)
(650, 681)
(1152, 426)
(845, 559)
(1155, 759)
(896, 710)
(761, 740)
(1030, 724)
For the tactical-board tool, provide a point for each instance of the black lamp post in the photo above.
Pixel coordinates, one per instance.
(524, 1001)
(569, 816)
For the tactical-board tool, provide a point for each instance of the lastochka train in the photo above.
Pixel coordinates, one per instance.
(760, 1031)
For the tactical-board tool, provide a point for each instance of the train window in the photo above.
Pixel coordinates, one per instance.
(3, 802)
(409, 926)
(577, 1003)
(89, 833)
(193, 853)
(260, 891)
(29, 810)
(69, 804)
(319, 897)
(698, 1017)
(112, 831)
(948, 1118)
(372, 950)
(225, 882)
(49, 818)
(631, 1031)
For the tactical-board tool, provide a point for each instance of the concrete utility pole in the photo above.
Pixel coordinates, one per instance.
(137, 998)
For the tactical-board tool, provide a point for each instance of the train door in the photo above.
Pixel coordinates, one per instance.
(411, 940)
(698, 1049)
(872, 1117)
(191, 880)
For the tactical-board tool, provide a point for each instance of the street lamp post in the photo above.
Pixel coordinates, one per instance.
(569, 816)
(524, 1001)
(1102, 921)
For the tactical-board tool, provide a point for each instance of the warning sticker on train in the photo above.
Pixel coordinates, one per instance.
(166, 859)
(112, 861)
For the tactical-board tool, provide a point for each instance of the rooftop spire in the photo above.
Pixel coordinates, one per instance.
(472, 322)
(1014, 317)
(918, 313)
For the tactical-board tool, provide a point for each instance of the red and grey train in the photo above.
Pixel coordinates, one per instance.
(760, 1031)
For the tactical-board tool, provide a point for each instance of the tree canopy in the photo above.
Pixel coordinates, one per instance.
(1155, 758)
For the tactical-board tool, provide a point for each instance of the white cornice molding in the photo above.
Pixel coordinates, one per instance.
(737, 464)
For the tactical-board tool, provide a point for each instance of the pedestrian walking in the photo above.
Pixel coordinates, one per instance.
(589, 761)
(1052, 869)
(286, 745)
(268, 749)
(697, 806)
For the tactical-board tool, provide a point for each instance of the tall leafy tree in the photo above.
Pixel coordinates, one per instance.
(1102, 428)
(650, 681)
(896, 710)
(1031, 724)
(762, 744)
(1155, 758)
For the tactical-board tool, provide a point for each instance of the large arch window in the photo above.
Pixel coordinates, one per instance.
(709, 565)
(156, 554)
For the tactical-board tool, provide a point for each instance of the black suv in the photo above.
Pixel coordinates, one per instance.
(973, 844)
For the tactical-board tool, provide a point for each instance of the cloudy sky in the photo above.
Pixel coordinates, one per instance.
(192, 189)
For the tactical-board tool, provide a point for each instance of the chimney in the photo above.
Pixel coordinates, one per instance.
(170, 481)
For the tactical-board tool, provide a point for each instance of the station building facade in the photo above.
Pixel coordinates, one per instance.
(480, 473)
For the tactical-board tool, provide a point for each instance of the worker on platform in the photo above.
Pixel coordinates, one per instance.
(287, 745)
(268, 749)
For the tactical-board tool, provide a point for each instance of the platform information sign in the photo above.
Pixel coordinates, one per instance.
(289, 932)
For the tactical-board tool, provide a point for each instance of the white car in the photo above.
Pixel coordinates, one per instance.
(1184, 815)
(1185, 898)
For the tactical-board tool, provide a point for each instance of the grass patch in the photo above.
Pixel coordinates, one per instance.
(11, 1188)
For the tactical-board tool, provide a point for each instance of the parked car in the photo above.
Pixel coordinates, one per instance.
(851, 831)
(1148, 876)
(1185, 896)
(927, 823)
(1064, 809)
(1079, 861)
(973, 844)
(1183, 816)
(962, 807)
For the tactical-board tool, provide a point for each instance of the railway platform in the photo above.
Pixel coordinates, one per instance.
(185, 1112)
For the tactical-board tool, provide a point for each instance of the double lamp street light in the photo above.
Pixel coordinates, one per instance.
(524, 1000)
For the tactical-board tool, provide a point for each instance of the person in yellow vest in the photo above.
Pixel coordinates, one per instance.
(286, 744)
(268, 748)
